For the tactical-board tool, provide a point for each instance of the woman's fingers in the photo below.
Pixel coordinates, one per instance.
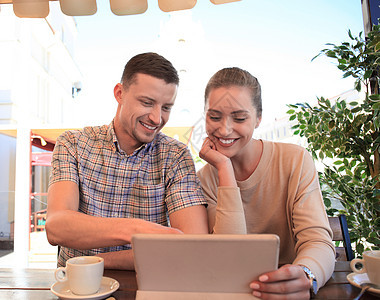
(288, 282)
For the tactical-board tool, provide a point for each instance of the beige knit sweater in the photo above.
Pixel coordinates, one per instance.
(282, 196)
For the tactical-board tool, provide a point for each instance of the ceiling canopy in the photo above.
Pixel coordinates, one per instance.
(40, 8)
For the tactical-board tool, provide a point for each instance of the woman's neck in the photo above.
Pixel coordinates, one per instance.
(247, 161)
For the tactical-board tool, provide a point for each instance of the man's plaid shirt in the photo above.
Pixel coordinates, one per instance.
(154, 181)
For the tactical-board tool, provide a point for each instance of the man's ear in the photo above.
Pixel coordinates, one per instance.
(118, 92)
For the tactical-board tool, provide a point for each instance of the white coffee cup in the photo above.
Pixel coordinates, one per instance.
(370, 264)
(83, 273)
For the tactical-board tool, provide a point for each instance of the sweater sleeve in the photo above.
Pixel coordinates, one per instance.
(314, 246)
(224, 205)
(229, 214)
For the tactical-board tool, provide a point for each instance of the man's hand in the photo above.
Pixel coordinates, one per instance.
(142, 226)
(288, 282)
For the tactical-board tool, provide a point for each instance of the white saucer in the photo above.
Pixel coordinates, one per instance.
(107, 287)
(356, 279)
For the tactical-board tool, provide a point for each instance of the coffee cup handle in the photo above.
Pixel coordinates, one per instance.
(354, 266)
(60, 274)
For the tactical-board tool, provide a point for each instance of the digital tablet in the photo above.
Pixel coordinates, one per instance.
(205, 266)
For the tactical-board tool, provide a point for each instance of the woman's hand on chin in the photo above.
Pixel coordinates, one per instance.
(210, 154)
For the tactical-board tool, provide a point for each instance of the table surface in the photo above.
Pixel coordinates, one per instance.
(35, 284)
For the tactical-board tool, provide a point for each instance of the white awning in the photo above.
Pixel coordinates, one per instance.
(40, 8)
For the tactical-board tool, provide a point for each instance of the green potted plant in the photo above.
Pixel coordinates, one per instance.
(345, 138)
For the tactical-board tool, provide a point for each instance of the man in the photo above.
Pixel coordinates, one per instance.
(110, 182)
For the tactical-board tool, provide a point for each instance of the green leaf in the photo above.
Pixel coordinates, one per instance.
(359, 248)
(367, 74)
(376, 106)
(358, 85)
(377, 124)
(349, 73)
(342, 67)
(331, 124)
(291, 111)
(327, 202)
(374, 97)
(293, 106)
(331, 53)
(292, 117)
(350, 35)
(377, 47)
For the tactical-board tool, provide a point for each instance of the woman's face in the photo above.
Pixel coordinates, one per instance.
(231, 119)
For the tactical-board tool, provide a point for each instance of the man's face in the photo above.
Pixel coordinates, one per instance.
(143, 110)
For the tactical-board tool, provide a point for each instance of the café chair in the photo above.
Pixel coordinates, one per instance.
(339, 228)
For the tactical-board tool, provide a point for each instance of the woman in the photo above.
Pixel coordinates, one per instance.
(256, 186)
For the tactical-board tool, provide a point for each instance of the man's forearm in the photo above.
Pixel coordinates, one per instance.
(120, 260)
(80, 231)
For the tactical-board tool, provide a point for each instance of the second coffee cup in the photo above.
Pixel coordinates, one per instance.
(370, 265)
